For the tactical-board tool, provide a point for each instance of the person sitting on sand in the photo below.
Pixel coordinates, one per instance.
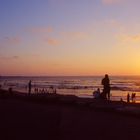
(103, 95)
(96, 94)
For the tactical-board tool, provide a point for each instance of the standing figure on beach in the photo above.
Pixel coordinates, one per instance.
(133, 96)
(29, 87)
(106, 86)
(128, 98)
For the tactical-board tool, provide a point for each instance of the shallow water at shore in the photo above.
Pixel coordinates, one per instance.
(81, 86)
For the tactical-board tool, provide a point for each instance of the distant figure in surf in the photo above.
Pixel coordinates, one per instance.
(106, 86)
(128, 98)
(133, 96)
(29, 87)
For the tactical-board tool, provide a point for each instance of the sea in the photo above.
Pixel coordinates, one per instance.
(81, 86)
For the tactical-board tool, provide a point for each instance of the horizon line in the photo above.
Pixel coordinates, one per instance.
(66, 75)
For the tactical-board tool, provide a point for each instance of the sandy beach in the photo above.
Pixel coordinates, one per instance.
(66, 117)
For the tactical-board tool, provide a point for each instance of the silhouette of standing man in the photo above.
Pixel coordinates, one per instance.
(29, 86)
(106, 85)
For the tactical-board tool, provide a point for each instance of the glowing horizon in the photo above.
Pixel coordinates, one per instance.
(67, 37)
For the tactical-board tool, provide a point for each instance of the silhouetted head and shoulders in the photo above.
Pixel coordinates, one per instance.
(30, 82)
(106, 81)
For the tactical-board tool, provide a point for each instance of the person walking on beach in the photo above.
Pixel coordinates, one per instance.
(106, 86)
(29, 87)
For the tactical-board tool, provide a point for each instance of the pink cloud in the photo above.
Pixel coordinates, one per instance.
(130, 38)
(40, 30)
(10, 41)
(13, 40)
(53, 42)
(109, 2)
(75, 35)
(9, 57)
(112, 22)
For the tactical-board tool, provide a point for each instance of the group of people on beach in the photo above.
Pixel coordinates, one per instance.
(51, 89)
(132, 97)
(105, 94)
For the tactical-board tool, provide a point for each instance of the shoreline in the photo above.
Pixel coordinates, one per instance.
(116, 95)
(121, 107)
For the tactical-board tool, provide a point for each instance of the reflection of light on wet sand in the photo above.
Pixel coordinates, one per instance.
(115, 95)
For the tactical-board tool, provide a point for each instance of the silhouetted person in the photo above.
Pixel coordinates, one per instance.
(36, 90)
(106, 86)
(29, 87)
(103, 95)
(96, 94)
(43, 91)
(46, 91)
(0, 88)
(133, 97)
(128, 97)
(121, 99)
(10, 90)
(55, 91)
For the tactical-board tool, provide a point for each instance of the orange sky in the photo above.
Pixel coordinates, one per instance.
(70, 37)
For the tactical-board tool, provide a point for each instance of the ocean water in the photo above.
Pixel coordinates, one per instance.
(81, 86)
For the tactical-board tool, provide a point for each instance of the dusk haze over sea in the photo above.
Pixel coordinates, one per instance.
(69, 69)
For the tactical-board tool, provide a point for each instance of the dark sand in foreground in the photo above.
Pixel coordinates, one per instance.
(27, 120)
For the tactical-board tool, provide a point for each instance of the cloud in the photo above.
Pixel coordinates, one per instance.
(130, 38)
(53, 42)
(10, 41)
(40, 30)
(13, 40)
(42, 35)
(75, 35)
(15, 57)
(110, 2)
(113, 23)
(9, 57)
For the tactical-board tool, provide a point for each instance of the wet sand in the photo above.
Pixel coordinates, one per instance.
(69, 118)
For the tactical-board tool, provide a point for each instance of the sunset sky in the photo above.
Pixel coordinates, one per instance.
(69, 37)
